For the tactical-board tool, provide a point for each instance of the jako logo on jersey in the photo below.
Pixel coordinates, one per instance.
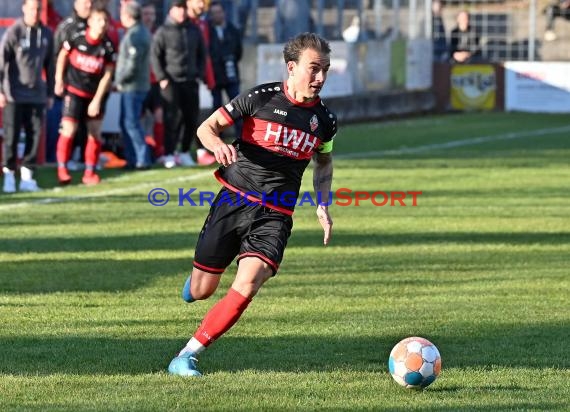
(280, 112)
(293, 138)
(314, 123)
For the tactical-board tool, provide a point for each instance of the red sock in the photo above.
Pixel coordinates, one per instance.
(63, 151)
(221, 317)
(158, 132)
(92, 150)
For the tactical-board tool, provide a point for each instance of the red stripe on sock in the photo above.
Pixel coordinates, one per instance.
(221, 317)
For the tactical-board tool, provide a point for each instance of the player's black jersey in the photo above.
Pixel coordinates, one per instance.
(88, 59)
(279, 137)
(66, 29)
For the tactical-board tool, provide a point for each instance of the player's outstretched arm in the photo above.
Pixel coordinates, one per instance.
(322, 181)
(209, 134)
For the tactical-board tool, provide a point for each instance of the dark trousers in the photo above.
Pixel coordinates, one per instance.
(232, 90)
(16, 115)
(181, 108)
(137, 152)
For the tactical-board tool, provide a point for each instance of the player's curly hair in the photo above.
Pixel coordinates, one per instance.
(294, 47)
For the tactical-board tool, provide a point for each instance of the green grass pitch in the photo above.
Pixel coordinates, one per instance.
(90, 279)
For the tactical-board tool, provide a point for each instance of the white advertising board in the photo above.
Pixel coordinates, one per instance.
(537, 87)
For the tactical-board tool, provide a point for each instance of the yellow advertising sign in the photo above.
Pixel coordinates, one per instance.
(473, 87)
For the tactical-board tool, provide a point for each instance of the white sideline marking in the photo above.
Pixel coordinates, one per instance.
(378, 153)
(454, 143)
(118, 191)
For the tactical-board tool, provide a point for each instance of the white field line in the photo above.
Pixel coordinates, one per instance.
(395, 152)
(455, 143)
(118, 191)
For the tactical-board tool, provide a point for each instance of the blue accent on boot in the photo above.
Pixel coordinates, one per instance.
(186, 291)
(184, 365)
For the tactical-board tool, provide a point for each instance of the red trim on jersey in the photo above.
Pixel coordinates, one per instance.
(296, 102)
(279, 138)
(208, 269)
(226, 115)
(250, 197)
(270, 262)
(79, 92)
(93, 41)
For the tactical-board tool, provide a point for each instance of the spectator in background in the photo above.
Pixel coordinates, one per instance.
(560, 8)
(84, 72)
(225, 51)
(196, 15)
(352, 33)
(440, 47)
(53, 17)
(464, 44)
(132, 78)
(67, 28)
(152, 109)
(178, 56)
(244, 10)
(292, 17)
(26, 50)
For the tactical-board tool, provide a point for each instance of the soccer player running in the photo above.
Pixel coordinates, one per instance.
(87, 60)
(285, 125)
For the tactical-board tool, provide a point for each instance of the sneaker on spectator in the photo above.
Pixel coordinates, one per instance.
(205, 158)
(9, 181)
(72, 165)
(169, 161)
(186, 160)
(29, 185)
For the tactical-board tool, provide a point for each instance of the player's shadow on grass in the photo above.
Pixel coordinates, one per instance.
(128, 243)
(305, 237)
(512, 346)
(86, 275)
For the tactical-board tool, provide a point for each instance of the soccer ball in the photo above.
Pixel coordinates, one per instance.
(414, 363)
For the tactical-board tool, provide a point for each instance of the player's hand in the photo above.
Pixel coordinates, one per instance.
(93, 108)
(163, 84)
(2, 100)
(226, 154)
(326, 222)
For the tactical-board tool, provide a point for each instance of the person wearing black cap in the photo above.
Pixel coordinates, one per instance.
(178, 57)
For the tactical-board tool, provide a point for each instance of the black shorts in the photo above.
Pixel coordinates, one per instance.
(75, 108)
(152, 100)
(241, 229)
